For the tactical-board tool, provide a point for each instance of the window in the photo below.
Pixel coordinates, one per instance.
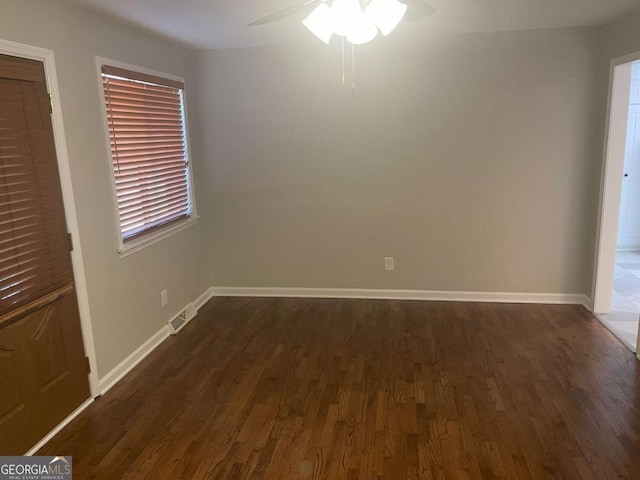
(148, 140)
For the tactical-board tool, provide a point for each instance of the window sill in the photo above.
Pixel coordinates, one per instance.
(146, 240)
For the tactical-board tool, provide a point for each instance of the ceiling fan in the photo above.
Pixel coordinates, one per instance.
(416, 10)
(356, 21)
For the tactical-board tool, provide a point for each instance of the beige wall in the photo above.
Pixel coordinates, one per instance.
(124, 293)
(622, 37)
(473, 160)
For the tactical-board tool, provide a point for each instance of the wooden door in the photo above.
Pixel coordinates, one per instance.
(629, 229)
(43, 369)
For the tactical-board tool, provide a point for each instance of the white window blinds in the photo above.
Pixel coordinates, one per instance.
(145, 118)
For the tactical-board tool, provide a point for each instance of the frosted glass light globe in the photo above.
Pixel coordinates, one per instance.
(344, 13)
(386, 14)
(320, 22)
(362, 30)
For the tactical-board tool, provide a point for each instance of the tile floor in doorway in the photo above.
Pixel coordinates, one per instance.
(625, 306)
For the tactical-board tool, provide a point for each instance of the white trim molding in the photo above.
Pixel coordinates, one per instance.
(428, 295)
(204, 298)
(125, 366)
(611, 184)
(144, 241)
(114, 376)
(59, 427)
(47, 58)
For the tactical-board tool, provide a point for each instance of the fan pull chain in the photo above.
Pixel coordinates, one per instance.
(353, 70)
(343, 82)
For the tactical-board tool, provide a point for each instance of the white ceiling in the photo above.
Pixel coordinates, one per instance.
(222, 23)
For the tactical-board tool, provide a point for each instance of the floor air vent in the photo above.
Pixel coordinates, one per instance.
(178, 322)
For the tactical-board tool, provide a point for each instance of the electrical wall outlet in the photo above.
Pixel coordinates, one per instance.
(388, 263)
(163, 298)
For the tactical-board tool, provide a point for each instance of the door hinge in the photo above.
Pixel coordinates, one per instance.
(88, 364)
(70, 240)
(50, 103)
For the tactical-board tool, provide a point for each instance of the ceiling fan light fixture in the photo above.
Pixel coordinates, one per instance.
(362, 30)
(344, 13)
(386, 14)
(320, 22)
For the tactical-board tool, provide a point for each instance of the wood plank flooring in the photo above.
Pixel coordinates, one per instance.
(370, 389)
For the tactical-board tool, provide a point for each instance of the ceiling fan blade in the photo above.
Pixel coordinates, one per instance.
(274, 17)
(417, 10)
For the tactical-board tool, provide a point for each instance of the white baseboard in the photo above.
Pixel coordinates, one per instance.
(60, 426)
(432, 295)
(587, 302)
(125, 366)
(204, 298)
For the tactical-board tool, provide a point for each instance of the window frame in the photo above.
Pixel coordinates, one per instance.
(155, 234)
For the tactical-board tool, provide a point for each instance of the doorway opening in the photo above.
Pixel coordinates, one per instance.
(617, 281)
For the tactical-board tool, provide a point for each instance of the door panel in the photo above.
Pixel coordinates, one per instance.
(18, 415)
(12, 400)
(635, 91)
(629, 226)
(43, 370)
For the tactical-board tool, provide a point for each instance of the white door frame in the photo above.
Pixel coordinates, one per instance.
(46, 57)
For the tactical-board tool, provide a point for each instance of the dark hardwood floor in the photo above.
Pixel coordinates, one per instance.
(360, 389)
